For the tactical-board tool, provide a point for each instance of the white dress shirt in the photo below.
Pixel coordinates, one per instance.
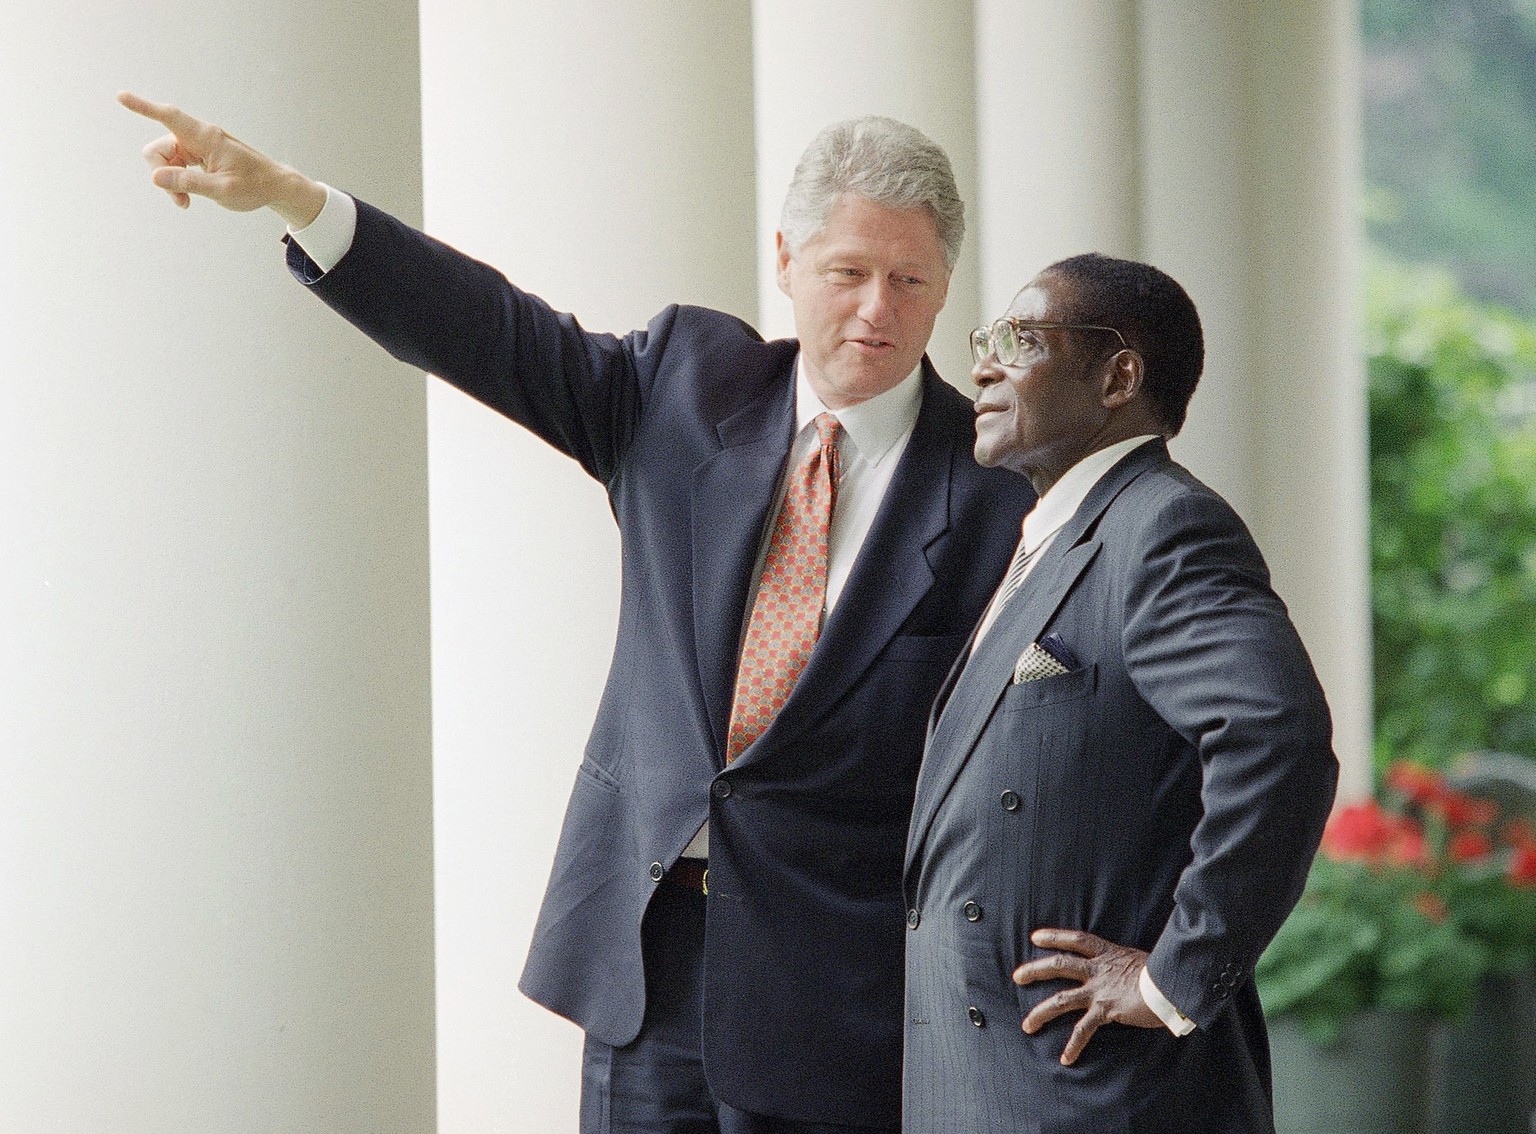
(325, 239)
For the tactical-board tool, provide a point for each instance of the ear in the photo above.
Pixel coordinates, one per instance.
(1122, 378)
(781, 253)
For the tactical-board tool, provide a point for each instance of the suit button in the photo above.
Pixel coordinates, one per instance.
(976, 1016)
(657, 871)
(913, 918)
(972, 911)
(721, 789)
(1010, 801)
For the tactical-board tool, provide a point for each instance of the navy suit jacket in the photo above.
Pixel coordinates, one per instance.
(688, 423)
(1166, 793)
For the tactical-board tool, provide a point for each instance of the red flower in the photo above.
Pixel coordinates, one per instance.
(1365, 833)
(1360, 831)
(1417, 783)
(1522, 867)
(1427, 789)
(1469, 846)
(1409, 847)
(1431, 906)
(1465, 810)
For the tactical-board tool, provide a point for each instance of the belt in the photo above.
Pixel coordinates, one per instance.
(689, 874)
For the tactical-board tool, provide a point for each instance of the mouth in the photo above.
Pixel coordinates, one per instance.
(873, 344)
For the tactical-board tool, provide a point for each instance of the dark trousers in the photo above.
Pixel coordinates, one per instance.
(656, 1085)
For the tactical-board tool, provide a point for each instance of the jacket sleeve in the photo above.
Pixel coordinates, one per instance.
(444, 312)
(1211, 648)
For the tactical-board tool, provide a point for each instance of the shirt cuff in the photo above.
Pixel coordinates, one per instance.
(1178, 1023)
(327, 238)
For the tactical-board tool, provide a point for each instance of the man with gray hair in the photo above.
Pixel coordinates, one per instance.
(807, 541)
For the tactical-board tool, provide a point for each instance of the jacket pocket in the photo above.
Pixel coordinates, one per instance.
(1051, 690)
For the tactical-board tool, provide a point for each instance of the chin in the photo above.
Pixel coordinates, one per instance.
(872, 381)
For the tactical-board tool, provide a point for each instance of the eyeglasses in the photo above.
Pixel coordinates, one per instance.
(1003, 336)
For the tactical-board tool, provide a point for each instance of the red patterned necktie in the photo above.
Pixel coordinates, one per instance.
(786, 617)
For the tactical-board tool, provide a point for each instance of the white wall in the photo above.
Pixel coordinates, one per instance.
(215, 856)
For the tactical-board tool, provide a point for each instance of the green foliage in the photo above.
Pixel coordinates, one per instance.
(1502, 919)
(1449, 98)
(1358, 940)
(1453, 519)
(1408, 905)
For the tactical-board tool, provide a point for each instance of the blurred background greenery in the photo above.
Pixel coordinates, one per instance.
(1450, 305)
(1411, 953)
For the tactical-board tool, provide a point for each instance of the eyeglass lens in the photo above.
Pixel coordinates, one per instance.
(999, 337)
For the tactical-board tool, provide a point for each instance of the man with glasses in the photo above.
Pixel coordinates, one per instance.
(1126, 778)
(806, 542)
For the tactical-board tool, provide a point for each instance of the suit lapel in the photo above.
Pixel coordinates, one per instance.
(733, 492)
(984, 678)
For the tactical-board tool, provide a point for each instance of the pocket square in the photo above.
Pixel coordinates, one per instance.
(1049, 657)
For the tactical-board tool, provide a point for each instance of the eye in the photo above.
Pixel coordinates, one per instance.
(911, 281)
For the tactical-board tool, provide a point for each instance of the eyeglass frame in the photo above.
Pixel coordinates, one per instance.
(1018, 325)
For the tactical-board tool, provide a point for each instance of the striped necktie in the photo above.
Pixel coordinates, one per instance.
(1012, 581)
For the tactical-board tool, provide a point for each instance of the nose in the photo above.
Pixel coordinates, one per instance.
(987, 371)
(876, 301)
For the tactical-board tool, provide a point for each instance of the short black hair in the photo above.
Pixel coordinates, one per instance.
(1156, 316)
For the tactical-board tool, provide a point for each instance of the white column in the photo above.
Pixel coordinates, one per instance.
(215, 855)
(601, 155)
(1059, 151)
(819, 63)
(1251, 180)
(1201, 194)
(1312, 375)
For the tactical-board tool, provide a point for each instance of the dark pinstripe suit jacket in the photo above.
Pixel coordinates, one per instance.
(1169, 795)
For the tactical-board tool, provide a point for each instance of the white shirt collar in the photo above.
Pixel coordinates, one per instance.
(1064, 497)
(874, 426)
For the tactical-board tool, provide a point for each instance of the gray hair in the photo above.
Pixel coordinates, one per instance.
(882, 160)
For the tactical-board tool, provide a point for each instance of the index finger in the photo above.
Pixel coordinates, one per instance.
(1072, 940)
(173, 119)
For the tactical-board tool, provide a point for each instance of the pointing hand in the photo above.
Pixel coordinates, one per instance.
(198, 158)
